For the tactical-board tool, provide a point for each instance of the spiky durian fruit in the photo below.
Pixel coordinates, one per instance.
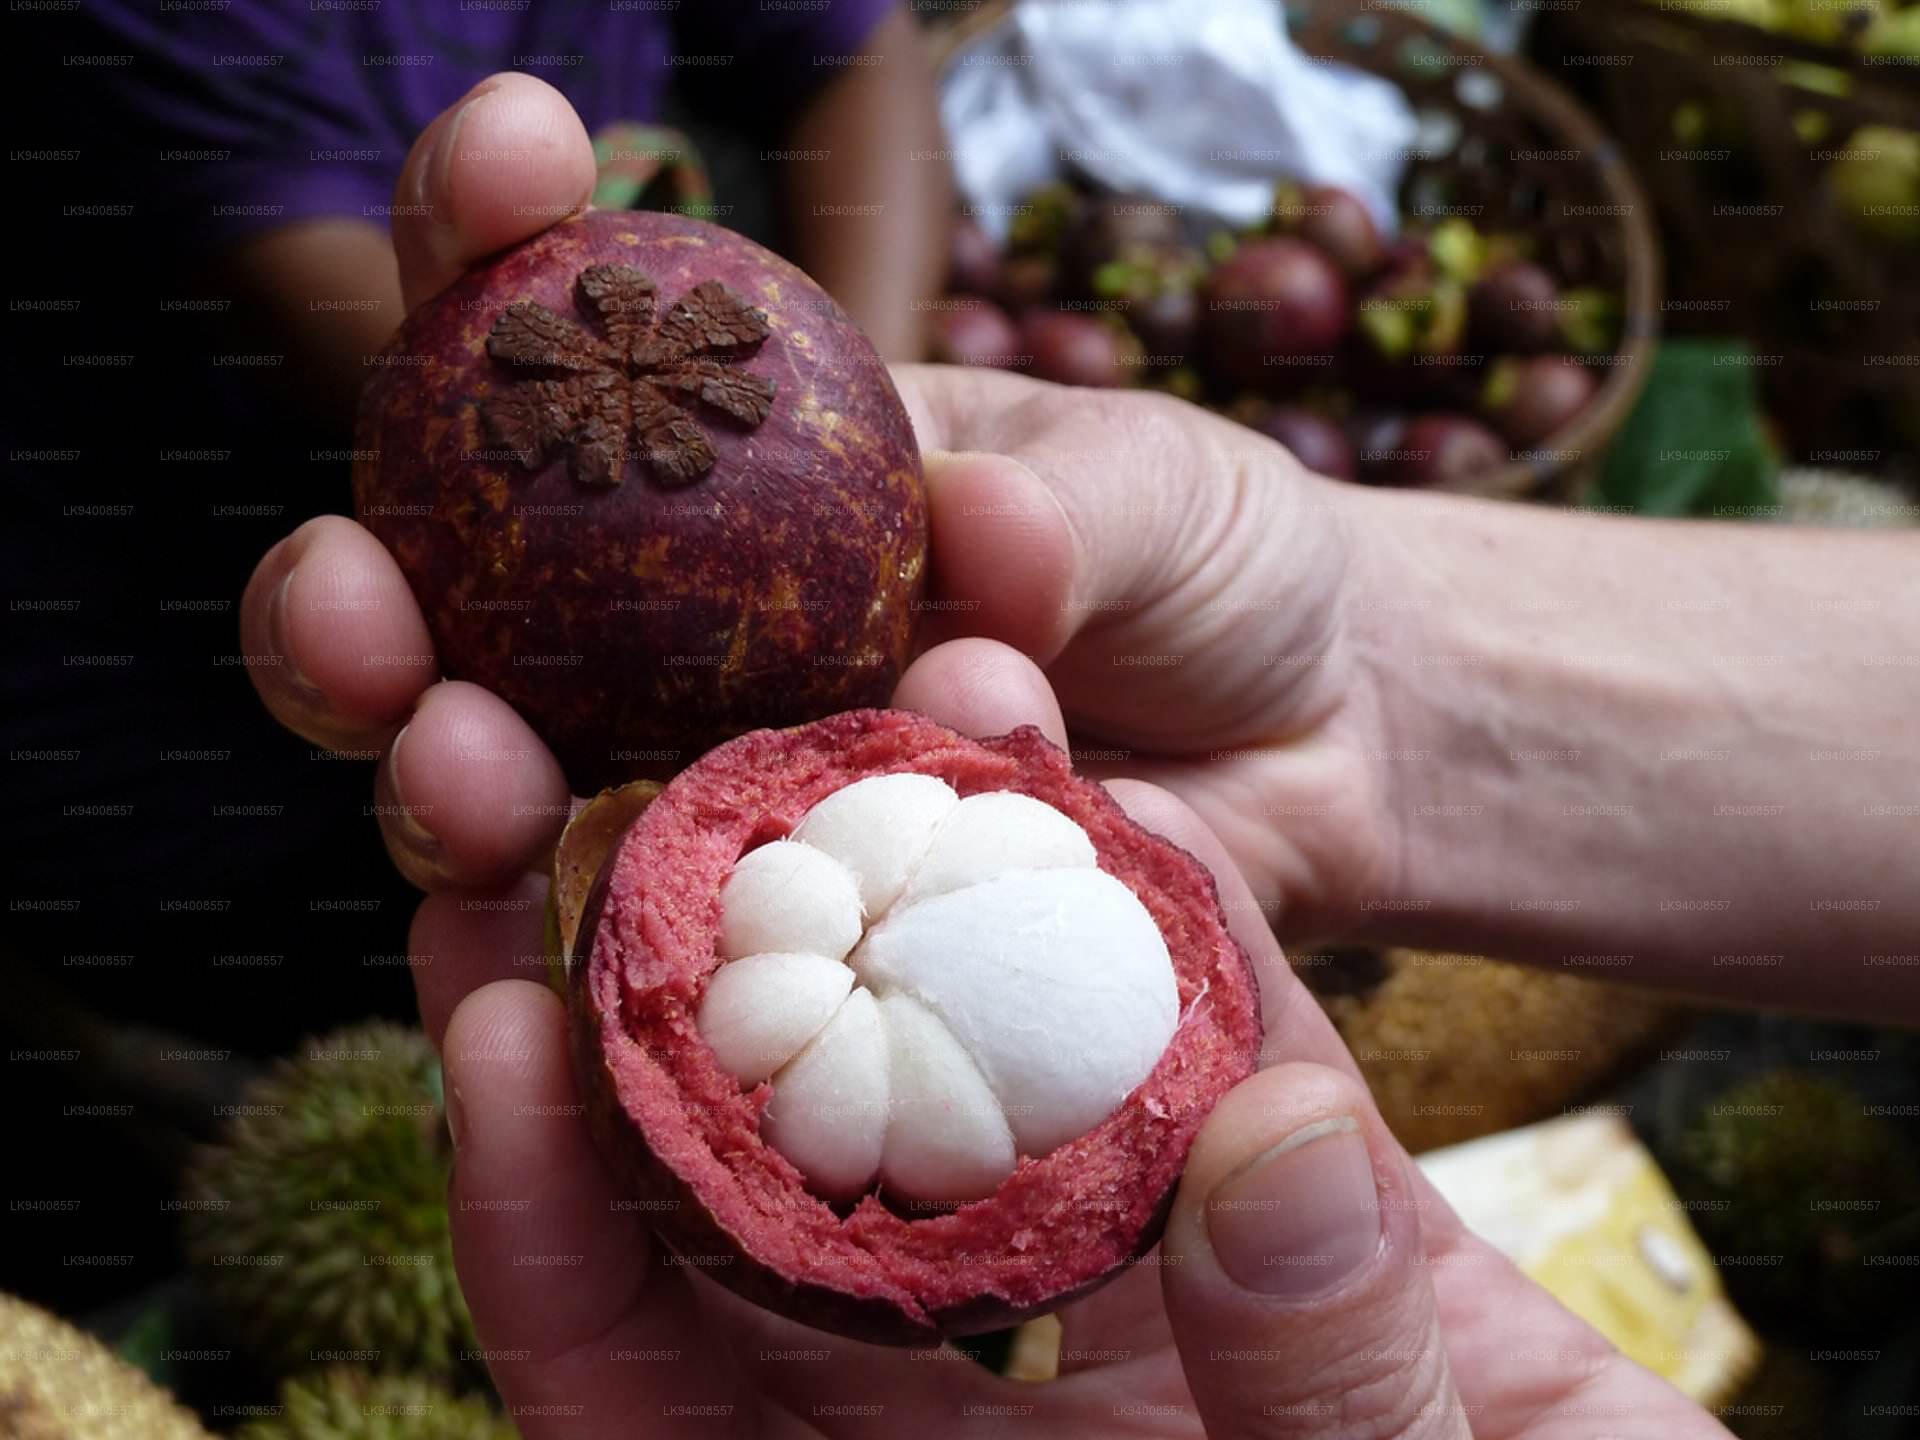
(1457, 1046)
(348, 1404)
(320, 1220)
(59, 1383)
(1804, 1195)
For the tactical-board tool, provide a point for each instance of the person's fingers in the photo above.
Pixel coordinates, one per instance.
(507, 160)
(1125, 499)
(1295, 1026)
(460, 942)
(1528, 1368)
(1295, 1283)
(1129, 1315)
(983, 688)
(467, 795)
(586, 1330)
(1121, 500)
(980, 688)
(1003, 553)
(334, 641)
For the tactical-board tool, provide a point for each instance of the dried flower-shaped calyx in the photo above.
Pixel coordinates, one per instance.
(934, 986)
(604, 399)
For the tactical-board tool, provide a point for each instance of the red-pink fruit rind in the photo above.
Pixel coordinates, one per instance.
(685, 1140)
(635, 626)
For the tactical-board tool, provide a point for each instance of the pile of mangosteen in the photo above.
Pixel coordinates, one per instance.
(1432, 359)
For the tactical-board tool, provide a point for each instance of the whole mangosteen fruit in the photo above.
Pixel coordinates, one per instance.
(1078, 349)
(973, 263)
(1530, 400)
(1274, 311)
(970, 331)
(1316, 442)
(652, 486)
(898, 1033)
(1514, 308)
(1442, 451)
(1167, 322)
(1334, 220)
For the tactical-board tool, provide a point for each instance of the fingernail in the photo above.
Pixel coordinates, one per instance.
(1300, 1218)
(456, 1117)
(279, 636)
(410, 829)
(436, 176)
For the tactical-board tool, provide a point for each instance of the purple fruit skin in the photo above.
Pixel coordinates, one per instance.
(977, 334)
(1445, 452)
(974, 264)
(635, 627)
(1078, 350)
(1168, 323)
(1511, 310)
(1548, 391)
(1338, 222)
(1269, 305)
(1316, 442)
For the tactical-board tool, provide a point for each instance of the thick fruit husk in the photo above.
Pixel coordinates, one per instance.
(59, 1383)
(356, 1115)
(685, 1140)
(636, 625)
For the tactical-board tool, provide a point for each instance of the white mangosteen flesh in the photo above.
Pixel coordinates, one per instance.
(934, 987)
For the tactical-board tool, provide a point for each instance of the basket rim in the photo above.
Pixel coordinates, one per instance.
(1627, 371)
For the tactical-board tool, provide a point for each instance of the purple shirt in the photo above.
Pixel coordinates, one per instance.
(269, 111)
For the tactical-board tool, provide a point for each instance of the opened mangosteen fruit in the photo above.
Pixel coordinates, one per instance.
(902, 1034)
(652, 486)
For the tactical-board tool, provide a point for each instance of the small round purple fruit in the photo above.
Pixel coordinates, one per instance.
(651, 486)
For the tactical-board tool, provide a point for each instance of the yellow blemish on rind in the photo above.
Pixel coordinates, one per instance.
(494, 490)
(650, 559)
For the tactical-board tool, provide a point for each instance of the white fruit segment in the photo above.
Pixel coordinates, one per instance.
(877, 828)
(1011, 993)
(786, 897)
(1056, 982)
(760, 1010)
(1000, 830)
(946, 1136)
(828, 1114)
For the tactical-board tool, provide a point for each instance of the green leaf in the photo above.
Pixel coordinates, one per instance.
(1694, 444)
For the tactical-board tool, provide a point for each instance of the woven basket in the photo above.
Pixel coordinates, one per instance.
(1755, 244)
(1525, 158)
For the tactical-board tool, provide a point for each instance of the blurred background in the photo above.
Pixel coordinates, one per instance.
(1653, 256)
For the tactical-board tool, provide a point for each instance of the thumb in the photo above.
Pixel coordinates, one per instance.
(504, 162)
(1292, 1271)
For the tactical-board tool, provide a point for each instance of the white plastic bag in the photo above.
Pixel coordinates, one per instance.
(1199, 103)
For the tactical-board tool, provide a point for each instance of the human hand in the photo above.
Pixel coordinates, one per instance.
(1310, 1284)
(1189, 590)
(1122, 540)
